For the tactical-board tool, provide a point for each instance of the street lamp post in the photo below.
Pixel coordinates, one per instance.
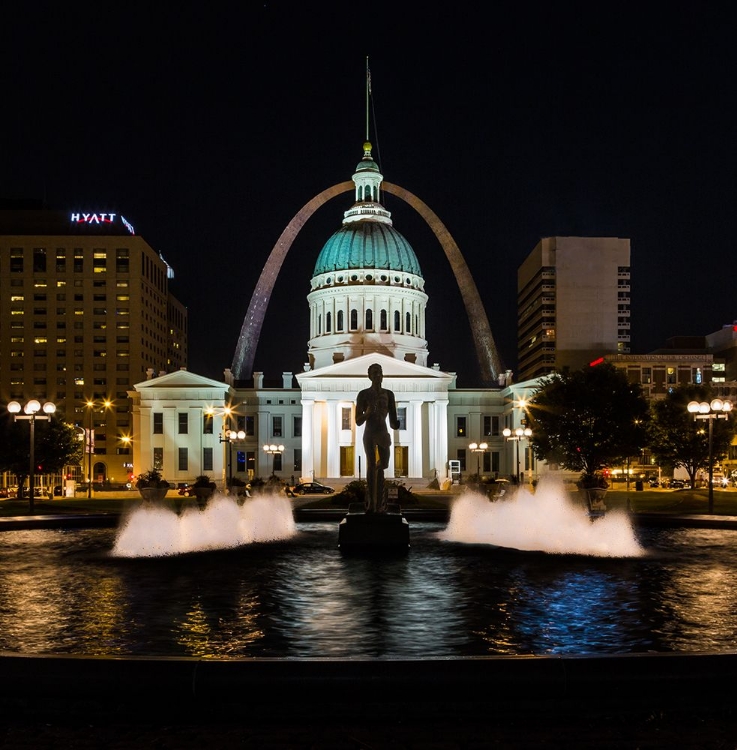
(273, 450)
(717, 409)
(31, 410)
(230, 437)
(89, 441)
(520, 433)
(478, 449)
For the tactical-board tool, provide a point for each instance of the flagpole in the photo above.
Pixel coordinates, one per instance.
(368, 90)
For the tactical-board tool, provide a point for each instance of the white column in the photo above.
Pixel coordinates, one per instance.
(432, 438)
(415, 448)
(441, 432)
(333, 462)
(263, 462)
(308, 457)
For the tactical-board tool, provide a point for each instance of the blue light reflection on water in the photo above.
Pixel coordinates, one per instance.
(61, 592)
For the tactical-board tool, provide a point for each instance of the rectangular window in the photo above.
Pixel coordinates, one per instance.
(207, 459)
(298, 459)
(402, 417)
(183, 459)
(461, 456)
(39, 260)
(345, 418)
(276, 427)
(491, 426)
(461, 427)
(297, 426)
(16, 260)
(250, 425)
(183, 422)
(277, 462)
(158, 423)
(240, 461)
(207, 424)
(158, 459)
(495, 462)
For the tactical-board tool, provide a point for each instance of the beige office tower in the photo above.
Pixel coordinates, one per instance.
(85, 312)
(573, 303)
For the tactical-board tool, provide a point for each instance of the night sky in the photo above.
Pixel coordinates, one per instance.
(209, 126)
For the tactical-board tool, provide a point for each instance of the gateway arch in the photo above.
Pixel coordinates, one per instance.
(488, 357)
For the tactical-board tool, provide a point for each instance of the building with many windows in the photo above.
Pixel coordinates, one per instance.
(573, 303)
(85, 312)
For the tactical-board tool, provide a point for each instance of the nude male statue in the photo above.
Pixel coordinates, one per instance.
(373, 405)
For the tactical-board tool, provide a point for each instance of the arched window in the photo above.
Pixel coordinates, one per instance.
(354, 319)
(328, 322)
(397, 321)
(369, 320)
(383, 321)
(408, 323)
(417, 325)
(339, 322)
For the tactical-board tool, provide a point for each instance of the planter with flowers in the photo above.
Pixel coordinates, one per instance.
(203, 489)
(152, 486)
(594, 487)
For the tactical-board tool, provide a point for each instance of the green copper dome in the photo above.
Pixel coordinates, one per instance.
(367, 244)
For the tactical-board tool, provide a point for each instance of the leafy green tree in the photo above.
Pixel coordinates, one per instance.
(588, 419)
(56, 444)
(677, 439)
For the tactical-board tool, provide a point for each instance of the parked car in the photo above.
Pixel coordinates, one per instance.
(653, 482)
(677, 484)
(4, 492)
(312, 488)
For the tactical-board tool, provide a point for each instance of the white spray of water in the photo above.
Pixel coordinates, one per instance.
(546, 521)
(156, 531)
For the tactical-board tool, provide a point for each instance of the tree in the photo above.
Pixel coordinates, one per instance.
(56, 444)
(588, 419)
(676, 439)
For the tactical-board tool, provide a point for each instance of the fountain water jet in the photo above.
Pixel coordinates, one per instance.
(546, 521)
(157, 531)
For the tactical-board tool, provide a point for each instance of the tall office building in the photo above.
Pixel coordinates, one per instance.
(85, 312)
(573, 303)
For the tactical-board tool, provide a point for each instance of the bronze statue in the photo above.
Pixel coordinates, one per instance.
(373, 405)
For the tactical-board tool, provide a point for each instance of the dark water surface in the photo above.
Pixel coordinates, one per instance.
(62, 592)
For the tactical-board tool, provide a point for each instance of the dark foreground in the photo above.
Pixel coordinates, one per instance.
(636, 701)
(438, 727)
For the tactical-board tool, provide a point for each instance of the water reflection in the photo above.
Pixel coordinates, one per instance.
(63, 592)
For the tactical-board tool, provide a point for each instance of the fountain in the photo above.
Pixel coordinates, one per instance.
(154, 530)
(238, 598)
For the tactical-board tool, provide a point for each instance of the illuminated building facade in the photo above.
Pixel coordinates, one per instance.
(85, 312)
(573, 303)
(366, 305)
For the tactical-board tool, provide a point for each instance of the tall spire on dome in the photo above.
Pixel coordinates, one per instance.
(368, 94)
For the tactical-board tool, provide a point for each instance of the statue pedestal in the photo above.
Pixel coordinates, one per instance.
(374, 532)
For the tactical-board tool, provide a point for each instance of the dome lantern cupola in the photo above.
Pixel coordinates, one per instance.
(367, 290)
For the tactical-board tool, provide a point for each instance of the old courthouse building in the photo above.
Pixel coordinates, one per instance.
(366, 304)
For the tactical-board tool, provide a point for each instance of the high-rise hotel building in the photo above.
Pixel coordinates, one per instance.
(85, 312)
(573, 303)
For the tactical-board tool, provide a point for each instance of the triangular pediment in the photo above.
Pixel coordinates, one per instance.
(180, 379)
(358, 368)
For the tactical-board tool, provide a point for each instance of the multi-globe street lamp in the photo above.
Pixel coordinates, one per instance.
(273, 450)
(520, 433)
(478, 449)
(30, 412)
(717, 409)
(230, 437)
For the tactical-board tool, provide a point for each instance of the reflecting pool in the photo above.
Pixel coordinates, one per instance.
(63, 591)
